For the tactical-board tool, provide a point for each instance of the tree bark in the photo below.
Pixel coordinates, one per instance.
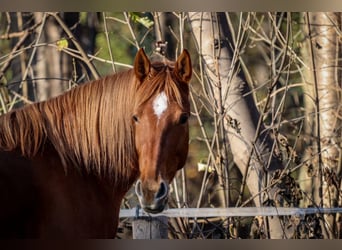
(48, 62)
(324, 31)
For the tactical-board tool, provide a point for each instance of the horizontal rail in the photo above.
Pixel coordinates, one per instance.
(229, 212)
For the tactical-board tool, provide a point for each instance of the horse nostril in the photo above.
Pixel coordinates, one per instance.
(138, 189)
(163, 190)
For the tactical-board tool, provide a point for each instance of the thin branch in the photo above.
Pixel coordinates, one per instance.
(108, 42)
(131, 30)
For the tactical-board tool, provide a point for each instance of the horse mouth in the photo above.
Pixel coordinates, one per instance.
(155, 208)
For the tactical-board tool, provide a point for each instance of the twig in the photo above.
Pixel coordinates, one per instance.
(24, 35)
(108, 42)
(131, 30)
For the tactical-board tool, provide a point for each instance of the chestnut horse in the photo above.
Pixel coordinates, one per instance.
(66, 163)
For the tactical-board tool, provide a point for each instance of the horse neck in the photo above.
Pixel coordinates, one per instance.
(91, 127)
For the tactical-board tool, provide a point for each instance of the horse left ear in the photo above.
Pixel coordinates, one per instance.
(183, 68)
(141, 65)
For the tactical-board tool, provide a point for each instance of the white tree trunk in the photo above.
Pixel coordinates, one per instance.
(48, 62)
(324, 33)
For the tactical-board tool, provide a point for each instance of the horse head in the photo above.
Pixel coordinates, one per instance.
(160, 126)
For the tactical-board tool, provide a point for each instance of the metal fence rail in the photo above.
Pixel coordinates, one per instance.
(230, 212)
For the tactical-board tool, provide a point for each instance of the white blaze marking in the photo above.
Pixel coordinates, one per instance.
(160, 104)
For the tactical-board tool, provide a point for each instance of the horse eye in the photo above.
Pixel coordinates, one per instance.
(135, 118)
(183, 118)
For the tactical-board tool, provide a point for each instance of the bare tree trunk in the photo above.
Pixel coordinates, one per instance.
(324, 32)
(48, 62)
(53, 65)
(239, 118)
(19, 21)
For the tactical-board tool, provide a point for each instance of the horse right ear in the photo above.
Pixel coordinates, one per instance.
(141, 65)
(183, 67)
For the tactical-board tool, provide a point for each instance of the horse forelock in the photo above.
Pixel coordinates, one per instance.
(161, 79)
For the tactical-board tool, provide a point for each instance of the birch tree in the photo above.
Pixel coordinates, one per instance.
(324, 32)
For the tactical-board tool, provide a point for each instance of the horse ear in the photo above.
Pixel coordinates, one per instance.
(183, 68)
(141, 65)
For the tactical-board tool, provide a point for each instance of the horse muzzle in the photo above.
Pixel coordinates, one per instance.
(152, 200)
